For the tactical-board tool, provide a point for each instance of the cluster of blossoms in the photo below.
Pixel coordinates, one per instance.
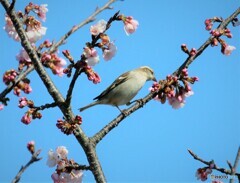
(63, 174)
(23, 85)
(23, 59)
(33, 27)
(32, 112)
(9, 76)
(172, 89)
(100, 39)
(202, 173)
(68, 128)
(216, 33)
(54, 62)
(30, 115)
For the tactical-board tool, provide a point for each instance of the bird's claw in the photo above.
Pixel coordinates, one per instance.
(140, 101)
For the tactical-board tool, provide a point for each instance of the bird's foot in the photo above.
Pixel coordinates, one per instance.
(140, 101)
(123, 112)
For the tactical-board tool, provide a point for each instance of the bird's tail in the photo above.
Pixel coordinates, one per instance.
(89, 105)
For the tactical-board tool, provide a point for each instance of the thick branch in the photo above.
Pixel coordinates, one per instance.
(222, 170)
(115, 122)
(85, 142)
(33, 159)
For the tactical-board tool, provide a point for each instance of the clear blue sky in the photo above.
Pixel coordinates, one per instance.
(150, 145)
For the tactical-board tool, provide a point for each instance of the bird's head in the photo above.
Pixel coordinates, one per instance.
(149, 72)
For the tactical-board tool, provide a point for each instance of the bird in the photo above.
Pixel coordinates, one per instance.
(124, 88)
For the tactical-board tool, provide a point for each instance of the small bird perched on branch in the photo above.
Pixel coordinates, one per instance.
(124, 88)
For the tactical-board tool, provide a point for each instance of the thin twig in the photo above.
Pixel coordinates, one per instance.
(71, 86)
(115, 122)
(33, 159)
(86, 21)
(222, 170)
(77, 167)
(45, 106)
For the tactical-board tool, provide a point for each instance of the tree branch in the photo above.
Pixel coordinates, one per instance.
(86, 21)
(87, 145)
(115, 122)
(33, 159)
(45, 106)
(56, 45)
(234, 168)
(222, 170)
(71, 86)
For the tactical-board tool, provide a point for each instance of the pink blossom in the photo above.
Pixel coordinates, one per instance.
(54, 62)
(154, 87)
(75, 176)
(91, 55)
(1, 107)
(202, 173)
(23, 102)
(31, 146)
(98, 28)
(110, 51)
(130, 25)
(26, 119)
(23, 56)
(227, 49)
(59, 67)
(34, 34)
(178, 101)
(9, 76)
(42, 12)
(62, 151)
(27, 88)
(53, 158)
(61, 165)
(10, 29)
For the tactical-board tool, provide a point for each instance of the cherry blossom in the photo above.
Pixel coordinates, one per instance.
(178, 101)
(110, 51)
(1, 107)
(98, 28)
(54, 62)
(23, 102)
(10, 29)
(91, 55)
(9, 76)
(34, 34)
(42, 12)
(27, 118)
(130, 25)
(74, 177)
(227, 49)
(31, 146)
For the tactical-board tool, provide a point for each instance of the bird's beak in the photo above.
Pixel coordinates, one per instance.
(154, 79)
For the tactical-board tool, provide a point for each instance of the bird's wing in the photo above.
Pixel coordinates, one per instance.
(117, 82)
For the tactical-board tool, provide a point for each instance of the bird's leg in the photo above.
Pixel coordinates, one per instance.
(124, 112)
(140, 101)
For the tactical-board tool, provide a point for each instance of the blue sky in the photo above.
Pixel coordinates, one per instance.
(150, 145)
